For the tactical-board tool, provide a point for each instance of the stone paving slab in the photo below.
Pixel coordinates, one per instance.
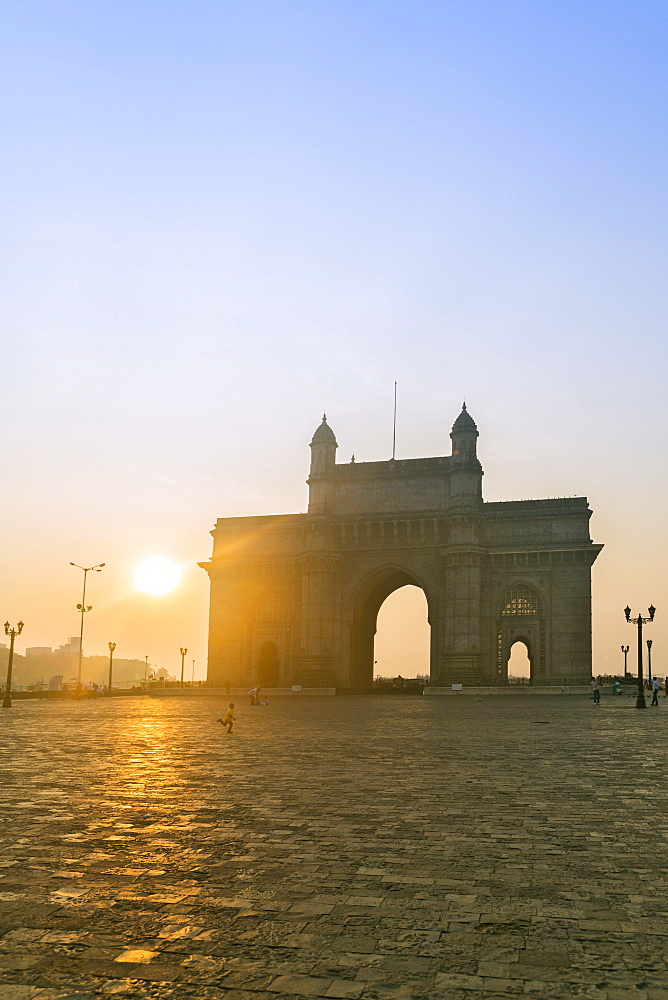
(371, 848)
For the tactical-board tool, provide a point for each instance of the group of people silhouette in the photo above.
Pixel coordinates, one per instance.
(254, 695)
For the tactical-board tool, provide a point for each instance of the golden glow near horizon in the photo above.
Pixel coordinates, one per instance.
(157, 576)
(192, 398)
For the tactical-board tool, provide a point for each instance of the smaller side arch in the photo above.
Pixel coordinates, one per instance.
(521, 618)
(268, 665)
(526, 646)
(268, 639)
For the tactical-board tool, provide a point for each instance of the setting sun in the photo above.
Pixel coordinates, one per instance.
(157, 576)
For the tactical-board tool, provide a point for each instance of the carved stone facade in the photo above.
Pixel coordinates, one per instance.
(295, 597)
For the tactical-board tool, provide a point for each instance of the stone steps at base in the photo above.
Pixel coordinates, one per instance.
(468, 677)
(239, 693)
(523, 690)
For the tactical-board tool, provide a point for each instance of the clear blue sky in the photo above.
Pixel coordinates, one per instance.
(221, 218)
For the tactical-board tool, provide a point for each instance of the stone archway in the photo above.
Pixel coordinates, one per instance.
(268, 668)
(313, 583)
(402, 643)
(518, 646)
(522, 620)
(366, 604)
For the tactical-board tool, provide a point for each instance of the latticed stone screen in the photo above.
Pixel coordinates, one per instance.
(521, 600)
(268, 610)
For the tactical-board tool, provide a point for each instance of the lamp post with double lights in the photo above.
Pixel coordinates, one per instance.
(625, 651)
(639, 622)
(112, 647)
(183, 652)
(83, 608)
(12, 633)
(649, 661)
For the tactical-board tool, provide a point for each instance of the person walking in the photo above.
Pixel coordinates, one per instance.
(227, 689)
(655, 692)
(596, 691)
(252, 694)
(228, 719)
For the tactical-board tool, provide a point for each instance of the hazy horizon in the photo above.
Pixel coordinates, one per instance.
(222, 219)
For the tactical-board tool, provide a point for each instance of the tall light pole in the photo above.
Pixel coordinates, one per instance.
(649, 661)
(146, 669)
(183, 656)
(192, 679)
(12, 633)
(640, 621)
(625, 651)
(112, 647)
(82, 607)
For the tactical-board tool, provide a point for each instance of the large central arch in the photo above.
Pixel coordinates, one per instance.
(366, 603)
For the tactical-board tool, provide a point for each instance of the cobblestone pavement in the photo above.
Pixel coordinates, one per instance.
(380, 848)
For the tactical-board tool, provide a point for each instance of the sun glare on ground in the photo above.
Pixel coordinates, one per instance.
(157, 576)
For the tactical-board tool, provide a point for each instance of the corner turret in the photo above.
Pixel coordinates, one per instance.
(323, 448)
(466, 474)
(323, 459)
(464, 437)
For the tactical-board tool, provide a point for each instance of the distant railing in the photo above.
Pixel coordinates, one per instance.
(400, 685)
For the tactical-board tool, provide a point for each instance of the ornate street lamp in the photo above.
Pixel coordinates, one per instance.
(183, 656)
(83, 608)
(640, 621)
(625, 650)
(112, 647)
(649, 661)
(12, 633)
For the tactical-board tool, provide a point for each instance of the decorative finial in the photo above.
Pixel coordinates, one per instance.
(353, 458)
(324, 418)
(464, 405)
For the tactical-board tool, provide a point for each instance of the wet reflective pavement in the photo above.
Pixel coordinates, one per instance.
(380, 848)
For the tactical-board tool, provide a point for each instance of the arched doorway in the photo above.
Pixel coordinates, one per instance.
(519, 663)
(267, 673)
(368, 599)
(521, 624)
(402, 640)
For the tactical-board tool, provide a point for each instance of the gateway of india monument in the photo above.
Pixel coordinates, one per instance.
(295, 597)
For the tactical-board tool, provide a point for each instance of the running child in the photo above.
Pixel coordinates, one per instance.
(228, 720)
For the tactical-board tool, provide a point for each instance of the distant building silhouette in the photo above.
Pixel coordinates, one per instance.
(295, 597)
(71, 646)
